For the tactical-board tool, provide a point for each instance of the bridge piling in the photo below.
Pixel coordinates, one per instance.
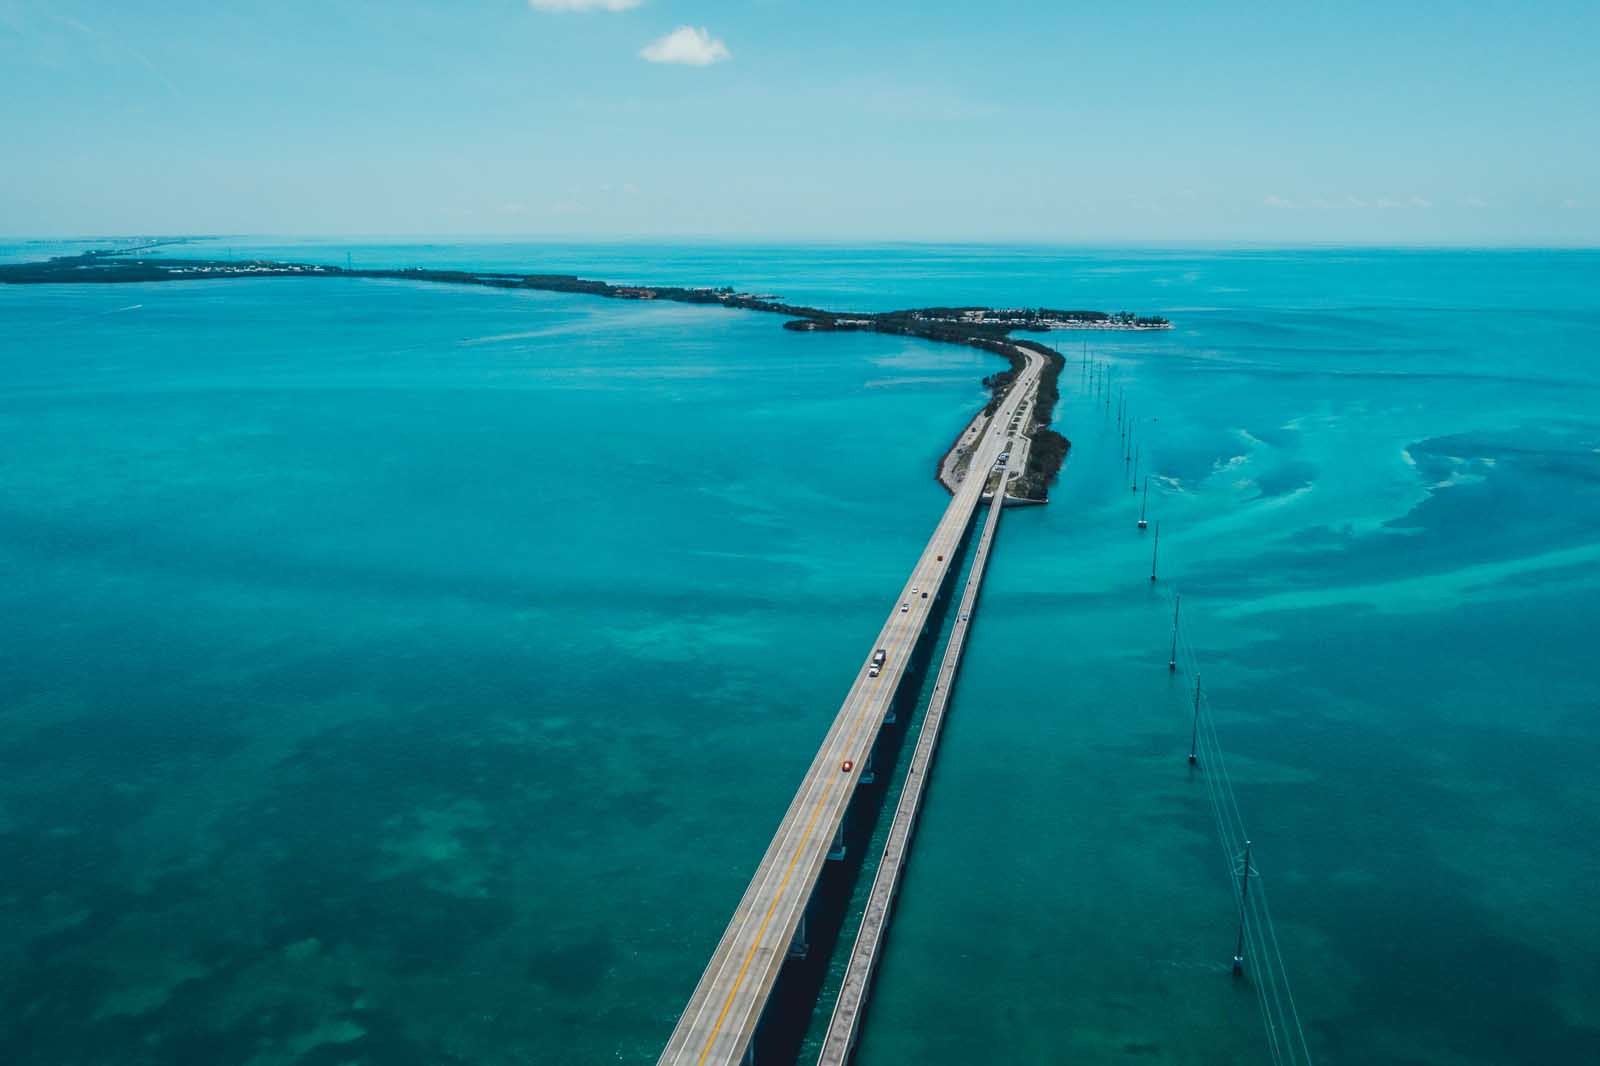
(838, 850)
(800, 946)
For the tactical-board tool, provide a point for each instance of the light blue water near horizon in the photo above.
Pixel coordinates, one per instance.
(399, 673)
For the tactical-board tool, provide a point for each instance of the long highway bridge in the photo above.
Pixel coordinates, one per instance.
(844, 1027)
(719, 1024)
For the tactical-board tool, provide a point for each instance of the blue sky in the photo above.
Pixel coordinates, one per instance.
(1362, 122)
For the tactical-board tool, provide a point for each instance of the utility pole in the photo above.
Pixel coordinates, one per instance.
(1172, 663)
(1244, 899)
(1155, 551)
(1144, 503)
(1194, 731)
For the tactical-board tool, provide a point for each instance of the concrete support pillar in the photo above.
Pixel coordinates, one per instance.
(868, 776)
(890, 718)
(836, 853)
(800, 946)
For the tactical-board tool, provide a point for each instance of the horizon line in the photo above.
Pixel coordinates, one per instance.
(1287, 244)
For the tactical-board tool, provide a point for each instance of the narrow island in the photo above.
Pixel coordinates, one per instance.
(980, 327)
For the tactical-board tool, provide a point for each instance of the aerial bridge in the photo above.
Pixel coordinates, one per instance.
(769, 926)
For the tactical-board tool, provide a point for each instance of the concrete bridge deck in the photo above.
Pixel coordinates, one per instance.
(719, 1023)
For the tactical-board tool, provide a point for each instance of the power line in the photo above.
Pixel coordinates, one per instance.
(1258, 936)
(1257, 941)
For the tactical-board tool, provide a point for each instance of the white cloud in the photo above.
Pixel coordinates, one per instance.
(584, 5)
(1474, 201)
(688, 46)
(1417, 201)
(1278, 201)
(1570, 205)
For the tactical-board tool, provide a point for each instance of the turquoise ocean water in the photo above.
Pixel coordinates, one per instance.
(400, 674)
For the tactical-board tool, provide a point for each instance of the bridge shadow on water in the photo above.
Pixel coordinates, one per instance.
(802, 1001)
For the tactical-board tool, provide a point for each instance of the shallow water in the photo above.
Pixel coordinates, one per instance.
(399, 673)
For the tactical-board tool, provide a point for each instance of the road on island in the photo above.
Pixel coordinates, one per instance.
(720, 1020)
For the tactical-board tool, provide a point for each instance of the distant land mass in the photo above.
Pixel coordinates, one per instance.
(981, 327)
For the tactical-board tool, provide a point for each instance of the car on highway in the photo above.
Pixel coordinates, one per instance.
(874, 671)
(847, 766)
(904, 607)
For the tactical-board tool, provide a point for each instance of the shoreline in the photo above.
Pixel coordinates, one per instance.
(950, 471)
(979, 327)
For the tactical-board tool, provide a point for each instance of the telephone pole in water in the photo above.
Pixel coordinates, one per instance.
(1244, 900)
(1194, 732)
(1172, 661)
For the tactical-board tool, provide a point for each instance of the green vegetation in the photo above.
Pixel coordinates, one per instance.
(1048, 450)
(1046, 454)
(979, 327)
